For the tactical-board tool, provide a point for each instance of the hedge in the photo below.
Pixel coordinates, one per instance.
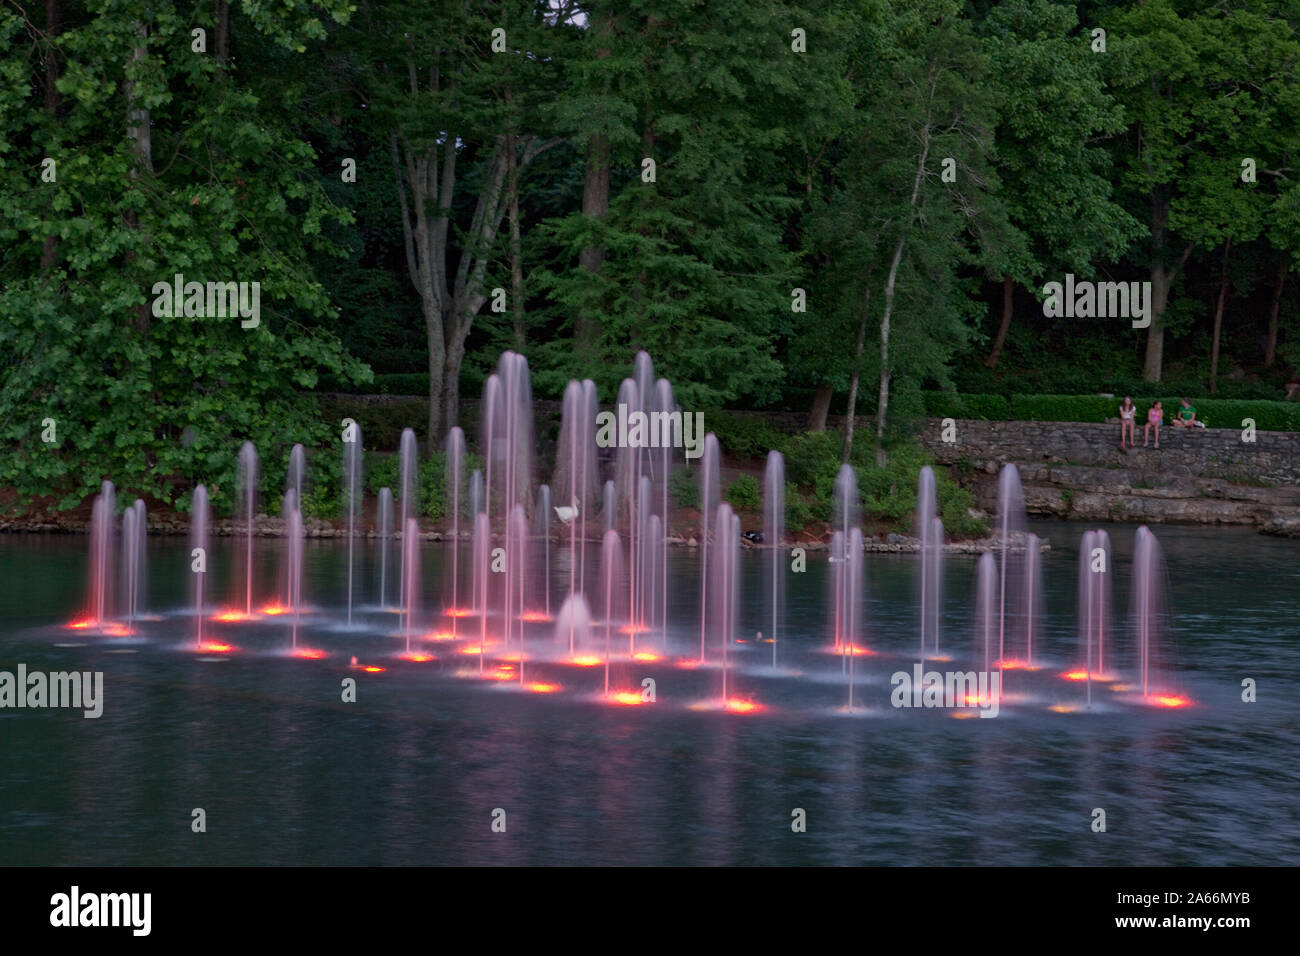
(1215, 412)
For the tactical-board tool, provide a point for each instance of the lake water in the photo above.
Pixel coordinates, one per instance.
(416, 769)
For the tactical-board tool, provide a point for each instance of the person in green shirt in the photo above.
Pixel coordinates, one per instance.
(1186, 415)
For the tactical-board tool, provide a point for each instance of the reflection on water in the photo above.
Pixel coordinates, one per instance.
(413, 771)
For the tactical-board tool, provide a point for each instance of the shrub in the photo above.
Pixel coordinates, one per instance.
(812, 455)
(684, 488)
(955, 503)
(381, 472)
(1066, 408)
(744, 493)
(321, 502)
(798, 514)
(1216, 412)
(991, 408)
(745, 436)
(432, 485)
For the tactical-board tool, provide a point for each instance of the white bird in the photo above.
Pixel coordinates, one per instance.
(567, 514)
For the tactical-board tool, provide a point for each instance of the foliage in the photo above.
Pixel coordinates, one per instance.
(1216, 412)
(798, 513)
(744, 493)
(745, 436)
(684, 488)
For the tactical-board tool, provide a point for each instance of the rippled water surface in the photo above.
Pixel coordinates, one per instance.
(416, 769)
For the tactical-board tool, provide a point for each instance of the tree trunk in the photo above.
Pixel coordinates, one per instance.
(516, 248)
(223, 34)
(850, 419)
(1008, 287)
(1270, 346)
(1162, 280)
(437, 362)
(1155, 350)
(882, 403)
(421, 248)
(1218, 321)
(595, 203)
(451, 382)
(821, 407)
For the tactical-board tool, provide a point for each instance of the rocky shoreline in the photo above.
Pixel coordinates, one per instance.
(268, 526)
(1077, 472)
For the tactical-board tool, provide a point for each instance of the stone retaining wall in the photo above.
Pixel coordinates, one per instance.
(1077, 470)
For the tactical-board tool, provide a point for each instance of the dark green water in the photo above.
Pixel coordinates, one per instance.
(412, 772)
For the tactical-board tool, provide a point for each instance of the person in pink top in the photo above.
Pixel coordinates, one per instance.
(1155, 418)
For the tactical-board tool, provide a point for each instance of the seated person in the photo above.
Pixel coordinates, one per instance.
(1127, 413)
(1186, 415)
(1155, 418)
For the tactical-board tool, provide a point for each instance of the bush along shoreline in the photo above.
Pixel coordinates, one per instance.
(888, 495)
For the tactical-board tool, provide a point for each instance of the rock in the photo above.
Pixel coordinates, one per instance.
(1283, 526)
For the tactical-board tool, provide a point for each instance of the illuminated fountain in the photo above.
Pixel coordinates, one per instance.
(726, 578)
(1094, 607)
(853, 604)
(1032, 594)
(666, 403)
(482, 579)
(656, 592)
(296, 473)
(101, 550)
(929, 528)
(642, 578)
(773, 537)
(410, 576)
(516, 578)
(1011, 527)
(284, 603)
(710, 496)
(631, 461)
(845, 588)
(573, 626)
(506, 427)
(199, 524)
(507, 565)
(294, 546)
(352, 493)
(542, 532)
(609, 506)
(1149, 614)
(454, 485)
(611, 580)
(576, 476)
(134, 568)
(408, 491)
(246, 512)
(385, 534)
(476, 502)
(986, 609)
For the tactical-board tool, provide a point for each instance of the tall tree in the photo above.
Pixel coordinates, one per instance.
(445, 108)
(195, 186)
